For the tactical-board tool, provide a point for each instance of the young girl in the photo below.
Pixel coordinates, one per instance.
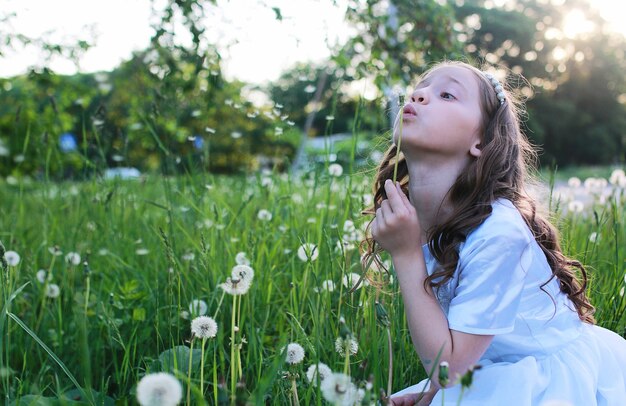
(483, 279)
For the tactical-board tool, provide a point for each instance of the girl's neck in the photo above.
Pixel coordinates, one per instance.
(429, 185)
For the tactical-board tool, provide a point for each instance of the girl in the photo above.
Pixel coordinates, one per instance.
(483, 279)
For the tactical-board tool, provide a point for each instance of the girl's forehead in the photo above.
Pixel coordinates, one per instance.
(455, 73)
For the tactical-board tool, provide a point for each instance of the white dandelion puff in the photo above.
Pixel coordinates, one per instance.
(328, 285)
(142, 251)
(338, 389)
(594, 237)
(188, 256)
(618, 177)
(264, 215)
(351, 279)
(242, 272)
(235, 135)
(12, 258)
(335, 170)
(56, 251)
(320, 370)
(204, 327)
(160, 389)
(294, 353)
(42, 275)
(343, 344)
(198, 307)
(242, 259)
(574, 182)
(575, 206)
(53, 291)
(73, 258)
(235, 287)
(308, 252)
(184, 314)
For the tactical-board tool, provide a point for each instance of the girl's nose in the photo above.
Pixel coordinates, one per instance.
(419, 96)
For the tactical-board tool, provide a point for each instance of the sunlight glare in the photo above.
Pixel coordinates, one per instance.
(576, 24)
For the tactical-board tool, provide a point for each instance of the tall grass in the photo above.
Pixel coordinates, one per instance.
(150, 247)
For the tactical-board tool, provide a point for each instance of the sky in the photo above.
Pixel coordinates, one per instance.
(255, 47)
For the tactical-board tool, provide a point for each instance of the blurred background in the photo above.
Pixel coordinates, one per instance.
(181, 86)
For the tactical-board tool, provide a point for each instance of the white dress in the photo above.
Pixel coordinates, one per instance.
(541, 353)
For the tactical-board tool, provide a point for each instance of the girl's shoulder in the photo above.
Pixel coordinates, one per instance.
(504, 223)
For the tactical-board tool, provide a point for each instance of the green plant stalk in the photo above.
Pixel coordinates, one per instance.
(202, 367)
(395, 165)
(233, 379)
(189, 372)
(294, 391)
(346, 365)
(390, 376)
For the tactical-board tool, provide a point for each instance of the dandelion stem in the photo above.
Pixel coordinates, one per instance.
(202, 367)
(294, 392)
(233, 378)
(189, 372)
(395, 166)
(346, 365)
(390, 376)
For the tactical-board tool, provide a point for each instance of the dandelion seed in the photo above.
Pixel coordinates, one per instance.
(189, 256)
(295, 353)
(12, 258)
(142, 251)
(308, 252)
(52, 290)
(278, 106)
(348, 343)
(103, 251)
(242, 259)
(264, 215)
(204, 327)
(335, 170)
(320, 370)
(209, 130)
(235, 135)
(73, 258)
(198, 307)
(160, 389)
(330, 118)
(338, 389)
(290, 123)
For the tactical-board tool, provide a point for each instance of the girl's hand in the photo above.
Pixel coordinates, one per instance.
(396, 226)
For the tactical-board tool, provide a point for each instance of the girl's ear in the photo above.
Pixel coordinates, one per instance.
(475, 149)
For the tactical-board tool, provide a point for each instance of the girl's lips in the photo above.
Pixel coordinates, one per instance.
(409, 110)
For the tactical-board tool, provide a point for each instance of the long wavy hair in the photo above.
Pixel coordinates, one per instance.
(501, 171)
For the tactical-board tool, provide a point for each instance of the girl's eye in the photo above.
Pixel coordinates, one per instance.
(447, 96)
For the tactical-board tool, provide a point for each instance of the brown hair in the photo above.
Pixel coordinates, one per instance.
(501, 171)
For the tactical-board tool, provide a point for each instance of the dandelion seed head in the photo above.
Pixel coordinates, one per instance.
(594, 237)
(242, 259)
(335, 170)
(320, 370)
(294, 353)
(574, 182)
(52, 290)
(159, 389)
(41, 275)
(338, 389)
(235, 287)
(264, 215)
(308, 252)
(204, 327)
(188, 256)
(73, 258)
(351, 279)
(12, 258)
(343, 344)
(198, 307)
(575, 206)
(142, 251)
(243, 273)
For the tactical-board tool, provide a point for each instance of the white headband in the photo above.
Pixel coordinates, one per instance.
(497, 87)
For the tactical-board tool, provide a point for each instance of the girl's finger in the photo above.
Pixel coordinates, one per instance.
(394, 199)
(405, 200)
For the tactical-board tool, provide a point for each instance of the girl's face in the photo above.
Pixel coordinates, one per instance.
(443, 116)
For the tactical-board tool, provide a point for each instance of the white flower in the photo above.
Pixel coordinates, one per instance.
(349, 343)
(41, 276)
(308, 252)
(338, 389)
(52, 290)
(264, 215)
(198, 307)
(72, 258)
(335, 170)
(12, 258)
(204, 327)
(574, 182)
(235, 286)
(242, 272)
(575, 206)
(295, 353)
(242, 259)
(160, 389)
(142, 251)
(351, 279)
(320, 369)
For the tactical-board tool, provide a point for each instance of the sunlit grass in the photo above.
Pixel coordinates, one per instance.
(149, 248)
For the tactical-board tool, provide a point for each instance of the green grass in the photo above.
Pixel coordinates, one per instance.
(118, 317)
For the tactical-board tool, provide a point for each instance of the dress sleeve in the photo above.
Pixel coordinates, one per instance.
(492, 266)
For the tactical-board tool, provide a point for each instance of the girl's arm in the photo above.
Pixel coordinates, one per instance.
(397, 230)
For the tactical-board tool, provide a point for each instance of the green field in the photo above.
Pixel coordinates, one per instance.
(91, 327)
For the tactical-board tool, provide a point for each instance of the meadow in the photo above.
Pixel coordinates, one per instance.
(103, 278)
